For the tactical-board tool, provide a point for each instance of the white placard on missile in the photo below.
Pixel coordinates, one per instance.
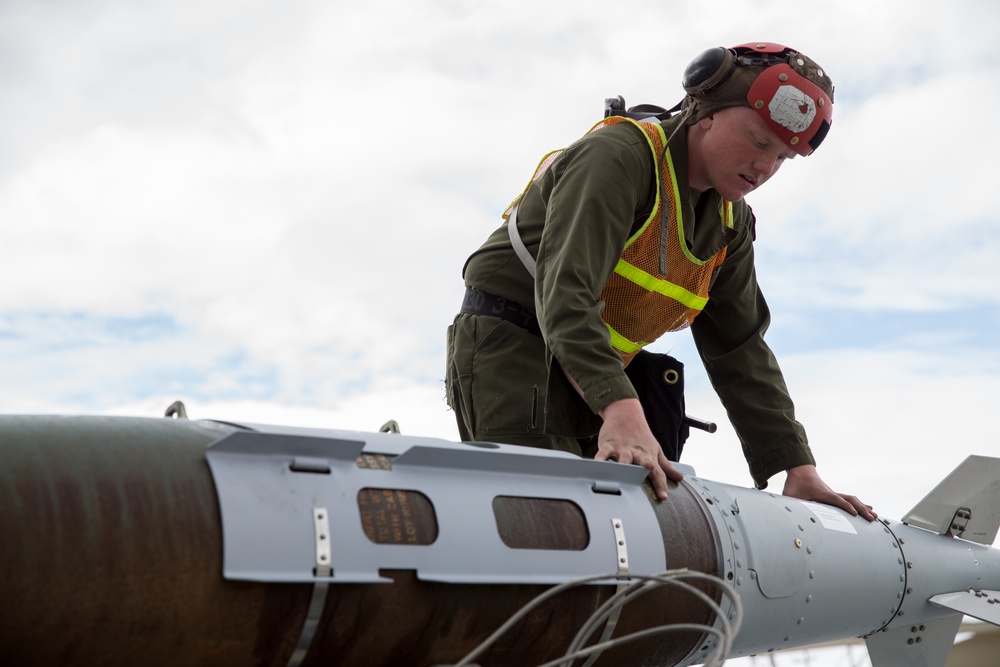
(831, 517)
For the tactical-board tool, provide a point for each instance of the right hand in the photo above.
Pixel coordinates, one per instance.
(625, 437)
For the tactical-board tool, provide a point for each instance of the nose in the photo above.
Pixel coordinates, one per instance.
(767, 164)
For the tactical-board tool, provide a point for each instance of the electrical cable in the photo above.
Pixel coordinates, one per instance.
(639, 585)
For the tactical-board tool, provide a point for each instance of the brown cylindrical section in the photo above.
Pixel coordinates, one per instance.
(111, 551)
(414, 622)
(111, 554)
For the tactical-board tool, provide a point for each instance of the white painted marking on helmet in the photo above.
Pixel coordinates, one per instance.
(792, 109)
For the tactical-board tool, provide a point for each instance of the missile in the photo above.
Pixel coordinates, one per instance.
(127, 541)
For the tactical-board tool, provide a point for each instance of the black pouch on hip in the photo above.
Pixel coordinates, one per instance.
(659, 381)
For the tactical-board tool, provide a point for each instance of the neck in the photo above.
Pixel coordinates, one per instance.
(697, 177)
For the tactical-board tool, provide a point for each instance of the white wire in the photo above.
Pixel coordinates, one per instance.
(640, 585)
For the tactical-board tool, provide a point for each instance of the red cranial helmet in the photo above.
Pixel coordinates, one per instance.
(786, 88)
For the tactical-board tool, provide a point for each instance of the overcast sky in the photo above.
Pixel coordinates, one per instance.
(262, 208)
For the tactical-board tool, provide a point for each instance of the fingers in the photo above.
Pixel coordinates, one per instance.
(659, 467)
(659, 481)
(859, 507)
(673, 474)
(656, 473)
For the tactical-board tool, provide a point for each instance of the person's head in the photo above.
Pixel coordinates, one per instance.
(749, 109)
(787, 89)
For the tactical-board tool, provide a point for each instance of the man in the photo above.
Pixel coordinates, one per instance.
(637, 229)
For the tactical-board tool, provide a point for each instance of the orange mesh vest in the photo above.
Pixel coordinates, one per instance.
(643, 300)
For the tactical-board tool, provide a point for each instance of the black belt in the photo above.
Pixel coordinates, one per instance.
(478, 302)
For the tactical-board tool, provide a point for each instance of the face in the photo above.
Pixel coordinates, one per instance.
(733, 151)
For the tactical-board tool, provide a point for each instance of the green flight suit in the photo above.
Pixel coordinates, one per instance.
(507, 384)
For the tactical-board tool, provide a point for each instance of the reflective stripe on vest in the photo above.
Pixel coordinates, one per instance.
(643, 299)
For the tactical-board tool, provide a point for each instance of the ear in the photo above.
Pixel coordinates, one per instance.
(706, 122)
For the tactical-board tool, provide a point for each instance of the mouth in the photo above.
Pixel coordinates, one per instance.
(751, 181)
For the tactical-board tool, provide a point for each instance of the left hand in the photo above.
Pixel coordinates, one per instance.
(804, 483)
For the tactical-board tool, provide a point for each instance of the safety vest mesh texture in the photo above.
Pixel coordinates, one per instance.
(641, 302)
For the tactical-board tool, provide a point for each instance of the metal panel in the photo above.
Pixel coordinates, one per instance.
(974, 486)
(268, 521)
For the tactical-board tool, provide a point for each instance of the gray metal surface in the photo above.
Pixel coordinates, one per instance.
(924, 644)
(791, 561)
(973, 486)
(984, 605)
(268, 523)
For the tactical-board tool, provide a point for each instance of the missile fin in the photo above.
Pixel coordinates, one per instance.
(965, 504)
(984, 605)
(923, 645)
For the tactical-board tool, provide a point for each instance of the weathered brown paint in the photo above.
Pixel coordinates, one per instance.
(111, 554)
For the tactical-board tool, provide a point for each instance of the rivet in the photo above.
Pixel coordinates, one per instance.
(793, 140)
(739, 581)
(798, 543)
(739, 562)
(820, 73)
(809, 550)
(800, 62)
(920, 639)
(909, 590)
(820, 101)
(910, 640)
(782, 77)
(900, 612)
(762, 46)
(902, 541)
(800, 621)
(812, 574)
(909, 564)
(623, 560)
(759, 104)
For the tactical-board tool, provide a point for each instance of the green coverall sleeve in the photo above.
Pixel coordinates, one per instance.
(729, 335)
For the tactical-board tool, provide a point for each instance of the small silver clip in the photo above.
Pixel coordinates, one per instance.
(620, 546)
(321, 522)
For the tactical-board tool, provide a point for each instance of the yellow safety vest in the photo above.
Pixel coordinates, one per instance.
(641, 302)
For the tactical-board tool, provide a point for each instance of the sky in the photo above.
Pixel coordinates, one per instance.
(262, 208)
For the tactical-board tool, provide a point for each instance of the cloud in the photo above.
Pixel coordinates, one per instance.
(264, 209)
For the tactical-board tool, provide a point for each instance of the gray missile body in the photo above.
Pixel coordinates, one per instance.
(162, 542)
